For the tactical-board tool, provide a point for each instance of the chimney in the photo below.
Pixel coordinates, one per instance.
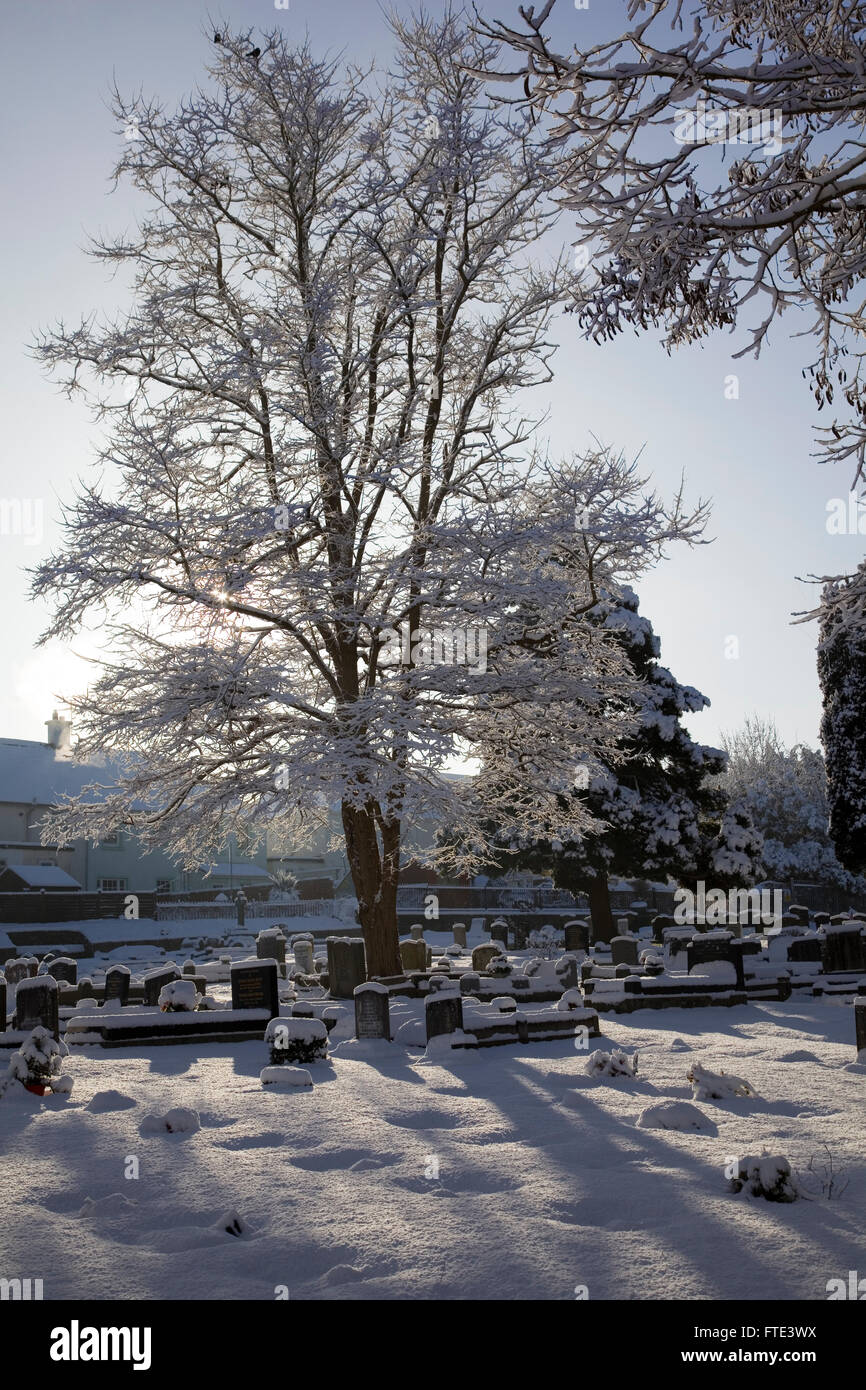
(59, 733)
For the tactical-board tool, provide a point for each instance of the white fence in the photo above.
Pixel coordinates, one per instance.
(228, 912)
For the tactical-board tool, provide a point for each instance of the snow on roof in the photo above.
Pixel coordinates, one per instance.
(237, 870)
(43, 875)
(34, 772)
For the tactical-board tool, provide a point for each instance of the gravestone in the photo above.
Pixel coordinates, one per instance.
(623, 950)
(567, 972)
(154, 981)
(705, 949)
(443, 1013)
(271, 945)
(483, 955)
(843, 947)
(347, 966)
(117, 980)
(658, 924)
(416, 931)
(372, 1012)
(2, 1002)
(800, 912)
(302, 936)
(576, 936)
(470, 982)
(16, 970)
(413, 956)
(459, 933)
(804, 948)
(860, 1026)
(64, 969)
(304, 957)
(255, 985)
(36, 1005)
(821, 919)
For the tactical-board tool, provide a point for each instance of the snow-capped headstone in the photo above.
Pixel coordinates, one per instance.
(443, 1014)
(347, 965)
(2, 1003)
(459, 932)
(843, 947)
(416, 931)
(255, 985)
(304, 957)
(860, 1027)
(117, 979)
(483, 955)
(271, 945)
(624, 949)
(64, 969)
(576, 936)
(15, 970)
(470, 982)
(706, 949)
(36, 1005)
(805, 948)
(154, 981)
(372, 1011)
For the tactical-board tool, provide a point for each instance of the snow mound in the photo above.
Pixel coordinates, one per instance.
(768, 1176)
(616, 1063)
(283, 1076)
(114, 1204)
(674, 1114)
(801, 1055)
(178, 1121)
(707, 1085)
(680, 1045)
(179, 996)
(104, 1101)
(444, 1042)
(412, 1033)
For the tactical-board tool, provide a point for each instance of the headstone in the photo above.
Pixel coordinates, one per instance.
(459, 931)
(416, 931)
(470, 982)
(483, 955)
(347, 965)
(302, 936)
(117, 979)
(304, 957)
(623, 950)
(413, 956)
(271, 945)
(36, 1005)
(2, 1002)
(843, 947)
(706, 948)
(153, 982)
(576, 936)
(860, 1026)
(821, 919)
(801, 913)
(255, 985)
(804, 948)
(658, 924)
(16, 970)
(443, 1013)
(372, 1011)
(64, 969)
(567, 972)
(188, 967)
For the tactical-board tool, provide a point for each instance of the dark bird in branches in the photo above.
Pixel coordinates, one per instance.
(256, 54)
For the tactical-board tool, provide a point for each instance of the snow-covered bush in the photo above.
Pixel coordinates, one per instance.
(674, 1114)
(179, 996)
(499, 965)
(178, 1121)
(616, 1063)
(37, 1063)
(707, 1085)
(293, 1040)
(768, 1176)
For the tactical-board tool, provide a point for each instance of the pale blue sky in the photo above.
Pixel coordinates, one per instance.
(751, 455)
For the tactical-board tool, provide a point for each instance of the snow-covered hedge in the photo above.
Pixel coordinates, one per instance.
(768, 1176)
(616, 1063)
(294, 1040)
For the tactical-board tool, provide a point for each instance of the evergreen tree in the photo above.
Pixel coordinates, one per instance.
(842, 673)
(659, 801)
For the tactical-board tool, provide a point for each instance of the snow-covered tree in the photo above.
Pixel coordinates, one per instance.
(785, 792)
(714, 156)
(842, 673)
(324, 516)
(658, 803)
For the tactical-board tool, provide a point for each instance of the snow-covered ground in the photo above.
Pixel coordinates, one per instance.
(545, 1183)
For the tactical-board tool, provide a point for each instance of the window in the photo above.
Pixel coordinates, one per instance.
(111, 885)
(163, 885)
(111, 841)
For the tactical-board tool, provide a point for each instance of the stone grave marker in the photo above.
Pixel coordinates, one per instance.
(658, 924)
(416, 931)
(483, 955)
(347, 965)
(470, 982)
(459, 933)
(860, 1026)
(413, 955)
(304, 957)
(843, 947)
(2, 1002)
(624, 949)
(372, 1011)
(255, 985)
(821, 919)
(271, 945)
(804, 948)
(16, 970)
(705, 949)
(153, 982)
(36, 1005)
(576, 936)
(64, 969)
(117, 979)
(443, 1013)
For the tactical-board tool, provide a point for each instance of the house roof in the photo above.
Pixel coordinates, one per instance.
(33, 772)
(42, 875)
(237, 870)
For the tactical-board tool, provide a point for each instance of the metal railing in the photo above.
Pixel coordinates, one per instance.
(228, 912)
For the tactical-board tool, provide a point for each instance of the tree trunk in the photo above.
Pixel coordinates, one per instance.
(374, 876)
(603, 927)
